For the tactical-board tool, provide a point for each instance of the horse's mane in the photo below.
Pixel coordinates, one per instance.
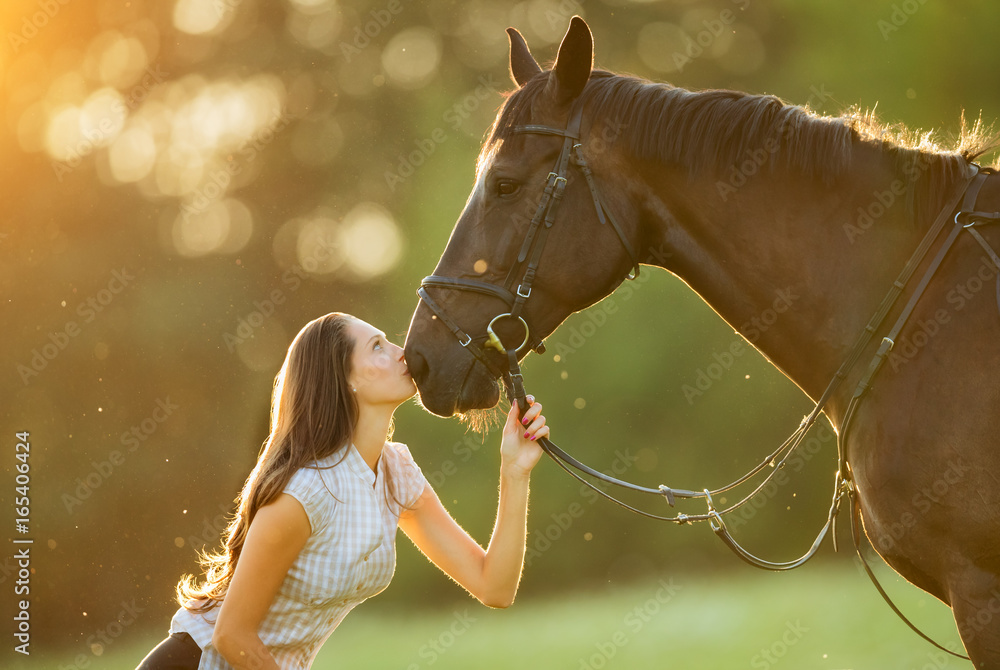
(713, 130)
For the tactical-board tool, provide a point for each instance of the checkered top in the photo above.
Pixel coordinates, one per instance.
(350, 556)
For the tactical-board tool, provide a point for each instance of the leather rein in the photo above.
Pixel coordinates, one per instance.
(522, 273)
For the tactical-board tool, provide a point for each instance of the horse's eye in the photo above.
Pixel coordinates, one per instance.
(507, 187)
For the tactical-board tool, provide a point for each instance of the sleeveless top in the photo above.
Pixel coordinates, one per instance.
(349, 557)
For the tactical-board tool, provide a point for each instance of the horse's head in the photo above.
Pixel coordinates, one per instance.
(532, 242)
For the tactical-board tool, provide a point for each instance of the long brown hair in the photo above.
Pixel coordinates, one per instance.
(313, 415)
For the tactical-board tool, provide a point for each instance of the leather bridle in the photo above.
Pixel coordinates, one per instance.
(522, 271)
(965, 217)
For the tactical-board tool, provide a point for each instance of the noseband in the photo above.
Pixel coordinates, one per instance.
(522, 272)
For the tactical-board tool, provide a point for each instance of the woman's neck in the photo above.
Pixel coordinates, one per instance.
(370, 432)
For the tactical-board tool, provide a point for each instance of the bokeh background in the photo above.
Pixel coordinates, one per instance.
(186, 183)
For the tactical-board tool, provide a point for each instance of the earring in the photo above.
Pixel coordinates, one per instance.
(354, 390)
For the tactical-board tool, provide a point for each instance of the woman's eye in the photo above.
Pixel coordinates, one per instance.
(377, 345)
(507, 188)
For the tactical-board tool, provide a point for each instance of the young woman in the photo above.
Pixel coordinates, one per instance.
(315, 531)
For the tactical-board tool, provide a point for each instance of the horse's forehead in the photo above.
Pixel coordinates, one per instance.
(491, 158)
(486, 161)
(487, 158)
(471, 227)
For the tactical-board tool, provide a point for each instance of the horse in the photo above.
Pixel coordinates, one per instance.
(753, 203)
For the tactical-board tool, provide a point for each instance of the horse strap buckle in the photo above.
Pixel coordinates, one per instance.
(714, 518)
(843, 487)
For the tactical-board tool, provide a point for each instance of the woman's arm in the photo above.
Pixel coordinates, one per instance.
(276, 535)
(491, 575)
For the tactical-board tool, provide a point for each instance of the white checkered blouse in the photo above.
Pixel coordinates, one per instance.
(350, 556)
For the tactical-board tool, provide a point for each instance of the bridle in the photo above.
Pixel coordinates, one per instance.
(964, 218)
(522, 271)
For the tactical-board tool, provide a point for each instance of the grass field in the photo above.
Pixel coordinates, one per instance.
(818, 617)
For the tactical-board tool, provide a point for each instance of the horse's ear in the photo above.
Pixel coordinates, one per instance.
(574, 62)
(522, 64)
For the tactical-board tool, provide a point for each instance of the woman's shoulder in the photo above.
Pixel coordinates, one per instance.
(398, 449)
(315, 487)
(408, 481)
(305, 478)
(401, 463)
(316, 475)
(399, 455)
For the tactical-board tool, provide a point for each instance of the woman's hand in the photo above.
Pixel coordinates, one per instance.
(519, 448)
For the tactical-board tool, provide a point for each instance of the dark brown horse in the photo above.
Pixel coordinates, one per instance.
(751, 201)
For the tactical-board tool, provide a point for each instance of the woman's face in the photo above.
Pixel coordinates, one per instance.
(379, 372)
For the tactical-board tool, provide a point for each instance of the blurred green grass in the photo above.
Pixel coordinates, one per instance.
(826, 616)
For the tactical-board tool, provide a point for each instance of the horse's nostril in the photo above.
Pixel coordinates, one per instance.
(417, 365)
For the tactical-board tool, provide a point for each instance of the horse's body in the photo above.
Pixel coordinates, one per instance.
(750, 202)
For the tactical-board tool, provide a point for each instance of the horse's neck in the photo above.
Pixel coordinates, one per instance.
(797, 268)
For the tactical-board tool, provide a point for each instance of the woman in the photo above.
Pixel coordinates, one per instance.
(315, 530)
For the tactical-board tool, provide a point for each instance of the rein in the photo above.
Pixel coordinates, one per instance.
(965, 218)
